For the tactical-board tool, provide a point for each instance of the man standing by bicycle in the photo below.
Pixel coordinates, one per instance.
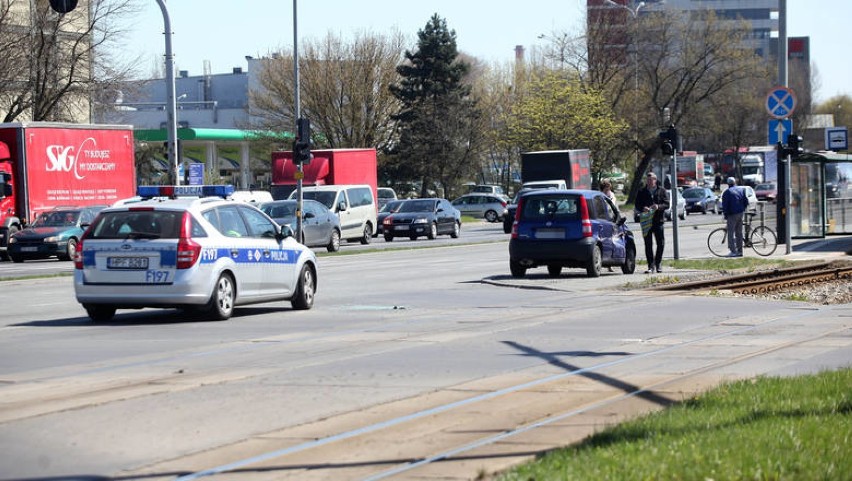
(734, 204)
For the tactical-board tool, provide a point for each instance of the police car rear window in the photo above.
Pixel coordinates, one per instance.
(148, 224)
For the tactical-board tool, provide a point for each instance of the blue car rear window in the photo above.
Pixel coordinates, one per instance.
(551, 207)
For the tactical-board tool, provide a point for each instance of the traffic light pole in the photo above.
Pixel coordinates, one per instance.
(788, 195)
(300, 172)
(675, 213)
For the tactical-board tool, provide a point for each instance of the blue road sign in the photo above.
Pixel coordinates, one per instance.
(836, 139)
(779, 129)
(196, 174)
(781, 102)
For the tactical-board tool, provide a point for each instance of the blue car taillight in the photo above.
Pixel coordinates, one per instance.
(584, 216)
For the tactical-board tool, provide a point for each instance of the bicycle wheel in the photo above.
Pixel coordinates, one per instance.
(763, 240)
(717, 242)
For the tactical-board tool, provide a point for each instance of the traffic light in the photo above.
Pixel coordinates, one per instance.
(669, 141)
(302, 144)
(63, 6)
(795, 146)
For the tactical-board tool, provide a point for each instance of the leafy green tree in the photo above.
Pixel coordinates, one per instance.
(556, 113)
(439, 122)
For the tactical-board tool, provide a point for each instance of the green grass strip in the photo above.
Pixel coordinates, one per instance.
(796, 429)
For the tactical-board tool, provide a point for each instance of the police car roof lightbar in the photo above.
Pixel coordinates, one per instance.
(174, 191)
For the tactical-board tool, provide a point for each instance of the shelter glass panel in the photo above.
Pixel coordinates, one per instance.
(806, 205)
(838, 201)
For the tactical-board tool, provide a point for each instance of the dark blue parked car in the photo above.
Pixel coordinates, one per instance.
(570, 228)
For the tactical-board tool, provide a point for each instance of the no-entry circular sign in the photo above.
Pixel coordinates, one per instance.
(781, 102)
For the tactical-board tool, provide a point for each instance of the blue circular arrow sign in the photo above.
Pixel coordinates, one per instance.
(781, 102)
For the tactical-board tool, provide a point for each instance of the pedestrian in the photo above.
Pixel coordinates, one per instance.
(717, 182)
(653, 200)
(734, 203)
(606, 188)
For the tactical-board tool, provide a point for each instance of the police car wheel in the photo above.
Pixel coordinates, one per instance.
(303, 298)
(221, 304)
(99, 312)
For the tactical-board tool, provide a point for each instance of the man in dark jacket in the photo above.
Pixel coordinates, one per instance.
(734, 203)
(653, 198)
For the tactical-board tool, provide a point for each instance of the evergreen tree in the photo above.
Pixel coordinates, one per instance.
(438, 134)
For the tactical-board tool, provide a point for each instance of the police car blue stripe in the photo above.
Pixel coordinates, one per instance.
(251, 255)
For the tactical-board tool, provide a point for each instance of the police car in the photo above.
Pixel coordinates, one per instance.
(205, 254)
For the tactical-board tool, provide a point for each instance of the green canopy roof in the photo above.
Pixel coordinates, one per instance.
(218, 135)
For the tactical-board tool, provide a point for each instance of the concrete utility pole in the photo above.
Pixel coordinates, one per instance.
(171, 101)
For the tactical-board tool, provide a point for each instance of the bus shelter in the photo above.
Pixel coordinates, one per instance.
(821, 202)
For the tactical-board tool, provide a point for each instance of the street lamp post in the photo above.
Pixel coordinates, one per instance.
(171, 101)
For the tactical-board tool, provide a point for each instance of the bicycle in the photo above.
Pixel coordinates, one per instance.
(762, 239)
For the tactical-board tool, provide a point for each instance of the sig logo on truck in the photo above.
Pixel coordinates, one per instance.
(61, 158)
(44, 165)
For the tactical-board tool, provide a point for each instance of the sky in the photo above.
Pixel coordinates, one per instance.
(225, 32)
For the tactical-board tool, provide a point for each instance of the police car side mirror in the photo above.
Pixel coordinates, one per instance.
(284, 232)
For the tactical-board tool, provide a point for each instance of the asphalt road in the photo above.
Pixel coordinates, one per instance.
(472, 233)
(408, 367)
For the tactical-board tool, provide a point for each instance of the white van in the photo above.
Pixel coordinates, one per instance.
(545, 184)
(252, 196)
(353, 204)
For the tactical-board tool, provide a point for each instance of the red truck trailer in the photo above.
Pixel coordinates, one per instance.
(690, 169)
(44, 165)
(328, 167)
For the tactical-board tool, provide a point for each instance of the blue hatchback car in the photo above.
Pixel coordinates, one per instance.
(569, 228)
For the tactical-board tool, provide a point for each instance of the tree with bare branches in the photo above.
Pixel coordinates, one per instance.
(344, 90)
(58, 65)
(683, 65)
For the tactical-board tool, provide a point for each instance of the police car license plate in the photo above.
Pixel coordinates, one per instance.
(127, 262)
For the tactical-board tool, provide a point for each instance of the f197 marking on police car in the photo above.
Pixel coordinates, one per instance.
(156, 277)
(208, 254)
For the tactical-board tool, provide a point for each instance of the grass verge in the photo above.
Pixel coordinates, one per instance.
(764, 429)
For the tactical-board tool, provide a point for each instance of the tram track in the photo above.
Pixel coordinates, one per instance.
(486, 425)
(769, 281)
